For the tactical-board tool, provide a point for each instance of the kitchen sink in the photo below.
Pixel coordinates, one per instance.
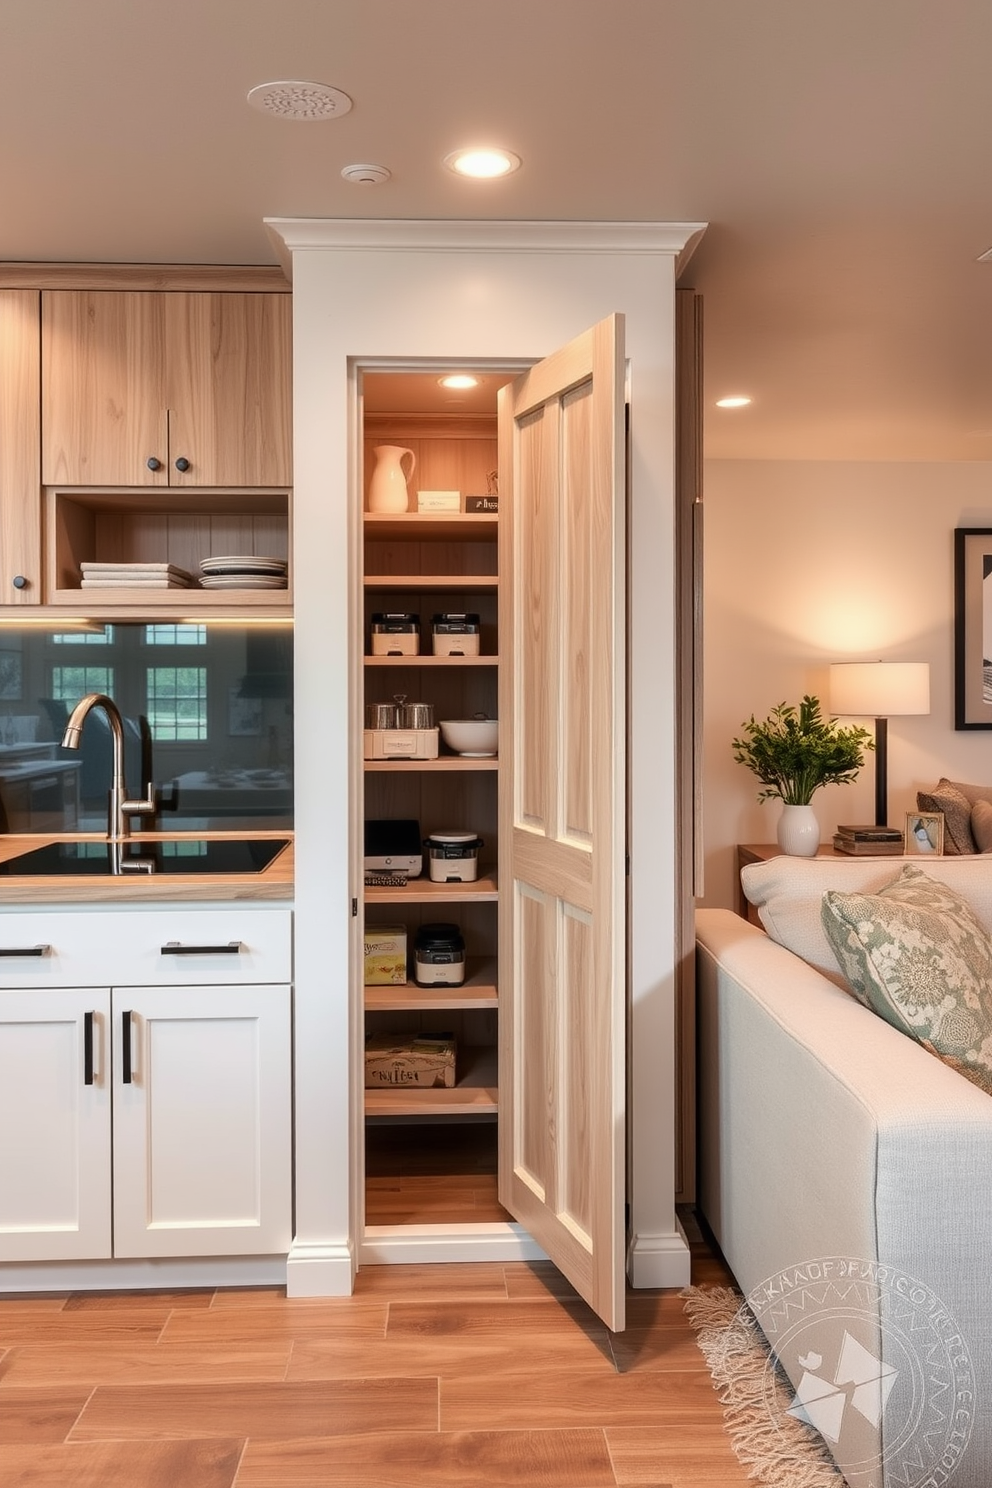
(139, 856)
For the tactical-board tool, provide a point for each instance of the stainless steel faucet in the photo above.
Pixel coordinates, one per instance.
(119, 808)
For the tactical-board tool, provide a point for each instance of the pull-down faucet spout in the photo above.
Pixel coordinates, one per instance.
(119, 808)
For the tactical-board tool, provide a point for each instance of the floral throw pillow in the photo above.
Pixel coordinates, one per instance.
(916, 954)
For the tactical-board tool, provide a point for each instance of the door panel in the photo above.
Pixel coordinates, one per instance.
(562, 772)
(202, 1155)
(55, 1113)
(103, 388)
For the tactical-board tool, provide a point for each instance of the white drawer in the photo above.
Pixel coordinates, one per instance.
(144, 948)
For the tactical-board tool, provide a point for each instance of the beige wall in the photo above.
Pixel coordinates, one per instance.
(812, 562)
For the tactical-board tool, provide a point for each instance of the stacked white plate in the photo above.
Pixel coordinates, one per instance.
(244, 571)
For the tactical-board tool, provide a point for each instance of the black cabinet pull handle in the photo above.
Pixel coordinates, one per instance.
(37, 950)
(182, 464)
(177, 948)
(153, 462)
(20, 582)
(87, 1048)
(126, 1047)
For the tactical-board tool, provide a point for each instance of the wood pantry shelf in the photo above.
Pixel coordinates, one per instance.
(444, 764)
(423, 891)
(413, 526)
(432, 661)
(477, 1091)
(427, 582)
(477, 991)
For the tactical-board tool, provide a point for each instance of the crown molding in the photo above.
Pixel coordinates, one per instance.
(337, 234)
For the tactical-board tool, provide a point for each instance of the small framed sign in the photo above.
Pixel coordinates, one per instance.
(924, 833)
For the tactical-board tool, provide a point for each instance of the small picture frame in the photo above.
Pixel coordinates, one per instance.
(924, 834)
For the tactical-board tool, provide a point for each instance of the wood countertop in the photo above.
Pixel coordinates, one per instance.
(274, 882)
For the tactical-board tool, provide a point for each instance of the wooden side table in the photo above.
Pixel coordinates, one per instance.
(760, 852)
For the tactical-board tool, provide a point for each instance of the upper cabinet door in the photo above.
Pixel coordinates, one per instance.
(230, 389)
(103, 389)
(20, 474)
(150, 388)
(562, 817)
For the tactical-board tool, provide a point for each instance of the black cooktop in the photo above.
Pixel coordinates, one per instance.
(135, 857)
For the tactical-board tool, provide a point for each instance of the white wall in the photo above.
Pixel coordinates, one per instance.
(812, 562)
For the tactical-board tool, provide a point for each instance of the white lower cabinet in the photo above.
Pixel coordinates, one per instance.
(146, 1121)
(55, 1183)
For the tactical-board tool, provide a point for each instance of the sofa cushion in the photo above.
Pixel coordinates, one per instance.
(916, 954)
(950, 799)
(788, 893)
(981, 825)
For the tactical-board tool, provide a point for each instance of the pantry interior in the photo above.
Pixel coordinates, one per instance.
(430, 1152)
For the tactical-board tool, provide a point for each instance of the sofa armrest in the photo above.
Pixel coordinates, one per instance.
(824, 1131)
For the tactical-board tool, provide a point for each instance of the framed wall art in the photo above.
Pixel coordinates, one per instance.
(973, 628)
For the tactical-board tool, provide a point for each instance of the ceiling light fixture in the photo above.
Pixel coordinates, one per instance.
(482, 163)
(737, 400)
(459, 380)
(307, 102)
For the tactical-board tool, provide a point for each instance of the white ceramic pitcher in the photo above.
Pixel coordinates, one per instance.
(387, 490)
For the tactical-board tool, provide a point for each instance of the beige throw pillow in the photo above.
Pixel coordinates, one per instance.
(981, 825)
(946, 797)
(915, 953)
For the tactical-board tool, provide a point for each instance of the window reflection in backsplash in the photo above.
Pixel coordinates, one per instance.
(208, 716)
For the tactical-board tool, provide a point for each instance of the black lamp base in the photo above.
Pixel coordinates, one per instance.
(881, 772)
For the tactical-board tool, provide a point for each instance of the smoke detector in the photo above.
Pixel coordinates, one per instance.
(308, 102)
(366, 175)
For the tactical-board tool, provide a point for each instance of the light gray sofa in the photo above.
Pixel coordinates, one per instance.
(826, 1135)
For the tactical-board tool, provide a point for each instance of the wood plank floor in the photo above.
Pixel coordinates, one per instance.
(452, 1376)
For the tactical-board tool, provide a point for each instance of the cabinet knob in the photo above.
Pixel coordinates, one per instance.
(20, 582)
(182, 464)
(153, 462)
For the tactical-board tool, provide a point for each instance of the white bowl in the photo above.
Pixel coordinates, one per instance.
(475, 737)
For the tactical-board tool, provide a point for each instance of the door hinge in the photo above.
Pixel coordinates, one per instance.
(354, 908)
(626, 864)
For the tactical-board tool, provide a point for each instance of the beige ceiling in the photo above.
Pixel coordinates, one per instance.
(841, 153)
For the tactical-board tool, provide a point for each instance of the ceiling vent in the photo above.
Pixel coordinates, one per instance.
(366, 175)
(308, 102)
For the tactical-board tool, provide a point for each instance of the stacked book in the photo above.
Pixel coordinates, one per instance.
(135, 576)
(873, 842)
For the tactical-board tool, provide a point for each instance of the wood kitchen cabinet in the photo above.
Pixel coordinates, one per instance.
(180, 388)
(152, 1120)
(20, 434)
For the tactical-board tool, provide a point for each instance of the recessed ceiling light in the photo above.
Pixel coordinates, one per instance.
(738, 400)
(308, 102)
(459, 380)
(482, 162)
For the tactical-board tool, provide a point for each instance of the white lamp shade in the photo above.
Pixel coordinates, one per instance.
(880, 689)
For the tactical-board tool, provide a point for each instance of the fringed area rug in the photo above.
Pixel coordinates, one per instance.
(779, 1450)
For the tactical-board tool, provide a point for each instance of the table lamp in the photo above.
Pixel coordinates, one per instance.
(880, 690)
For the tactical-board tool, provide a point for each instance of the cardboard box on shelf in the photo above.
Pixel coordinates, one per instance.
(385, 955)
(424, 1061)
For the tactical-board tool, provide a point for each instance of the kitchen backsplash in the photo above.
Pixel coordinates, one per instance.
(208, 716)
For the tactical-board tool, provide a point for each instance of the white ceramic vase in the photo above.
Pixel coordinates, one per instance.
(798, 831)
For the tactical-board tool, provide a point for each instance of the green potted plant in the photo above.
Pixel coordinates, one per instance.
(794, 752)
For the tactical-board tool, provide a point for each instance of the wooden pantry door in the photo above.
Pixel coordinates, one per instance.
(562, 467)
